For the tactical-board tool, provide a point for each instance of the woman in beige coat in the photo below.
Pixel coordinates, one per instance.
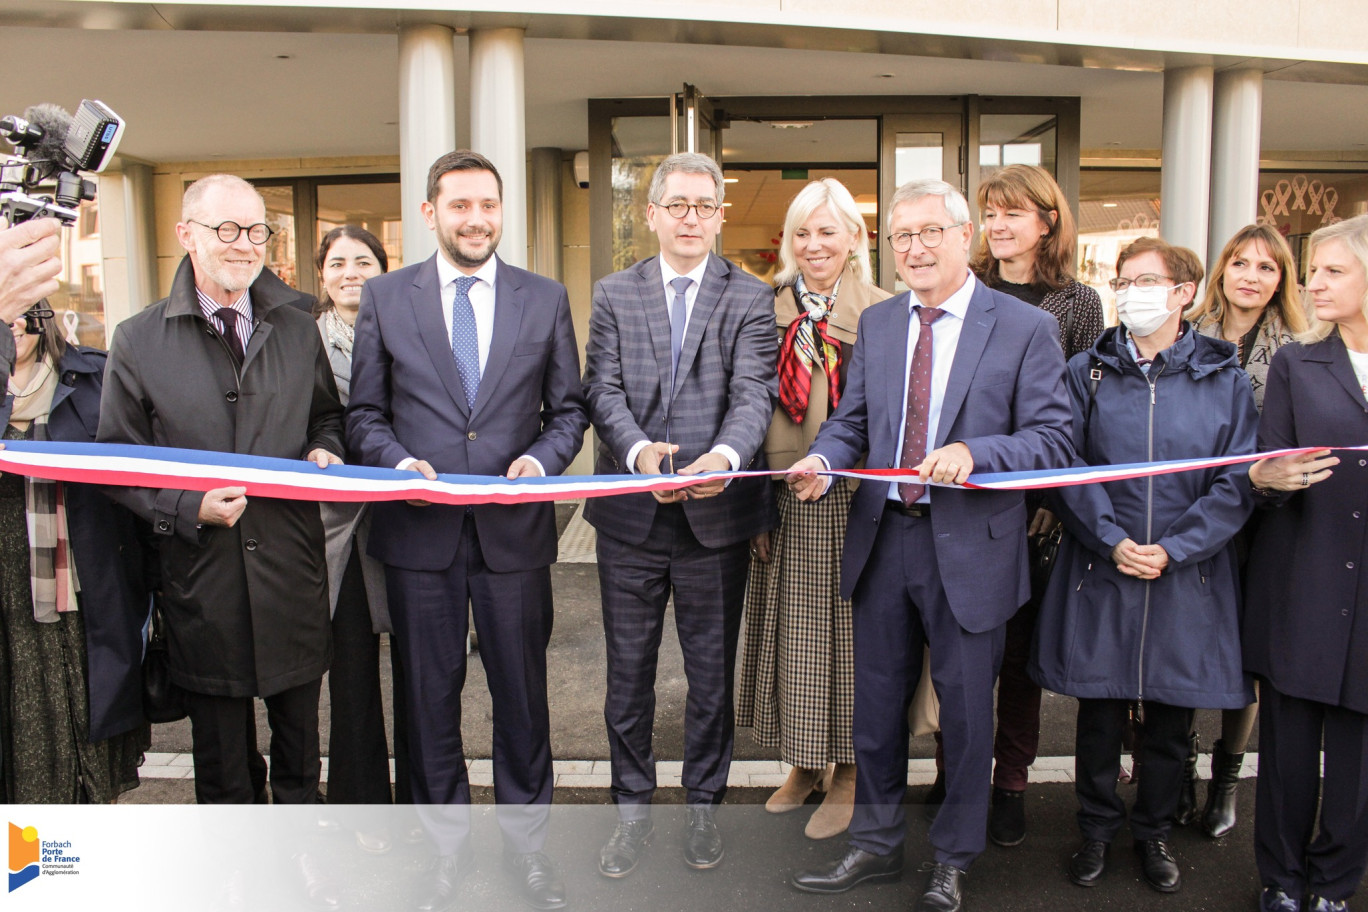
(797, 676)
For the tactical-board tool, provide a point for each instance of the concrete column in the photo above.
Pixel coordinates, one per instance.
(545, 212)
(498, 126)
(1234, 155)
(128, 242)
(1185, 181)
(427, 123)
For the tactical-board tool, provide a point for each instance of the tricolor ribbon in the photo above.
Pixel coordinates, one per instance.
(290, 479)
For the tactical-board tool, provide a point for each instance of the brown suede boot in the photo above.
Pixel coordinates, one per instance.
(833, 816)
(791, 795)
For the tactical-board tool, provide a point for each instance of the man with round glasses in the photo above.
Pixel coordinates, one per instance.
(228, 363)
(680, 376)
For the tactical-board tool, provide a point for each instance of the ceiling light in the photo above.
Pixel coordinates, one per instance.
(1109, 205)
(790, 124)
(731, 180)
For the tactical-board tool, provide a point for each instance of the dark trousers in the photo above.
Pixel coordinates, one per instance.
(358, 757)
(512, 613)
(1101, 812)
(1288, 851)
(1018, 707)
(899, 608)
(709, 588)
(228, 767)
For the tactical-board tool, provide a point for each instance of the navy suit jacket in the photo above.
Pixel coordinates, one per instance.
(724, 392)
(1005, 399)
(407, 400)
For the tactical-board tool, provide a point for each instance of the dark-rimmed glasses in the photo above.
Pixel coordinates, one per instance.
(931, 237)
(228, 232)
(679, 209)
(1146, 280)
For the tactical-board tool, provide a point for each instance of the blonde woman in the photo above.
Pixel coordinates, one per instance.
(797, 677)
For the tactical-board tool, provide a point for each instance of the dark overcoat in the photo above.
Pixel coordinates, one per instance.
(246, 607)
(108, 552)
(1306, 613)
(1103, 634)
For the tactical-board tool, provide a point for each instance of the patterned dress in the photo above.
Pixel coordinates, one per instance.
(44, 715)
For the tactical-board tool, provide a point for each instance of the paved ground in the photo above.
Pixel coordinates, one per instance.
(762, 849)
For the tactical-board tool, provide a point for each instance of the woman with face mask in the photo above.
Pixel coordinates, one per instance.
(1142, 606)
(1251, 300)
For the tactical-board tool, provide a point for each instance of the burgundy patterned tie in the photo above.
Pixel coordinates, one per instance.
(918, 404)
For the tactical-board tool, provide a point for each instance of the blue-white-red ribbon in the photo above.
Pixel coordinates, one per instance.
(289, 479)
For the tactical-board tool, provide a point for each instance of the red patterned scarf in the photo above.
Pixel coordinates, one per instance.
(808, 341)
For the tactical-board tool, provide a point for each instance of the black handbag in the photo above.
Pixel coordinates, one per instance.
(1044, 553)
(163, 701)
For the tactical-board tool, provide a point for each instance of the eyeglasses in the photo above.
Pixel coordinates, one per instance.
(228, 232)
(1147, 280)
(930, 237)
(679, 209)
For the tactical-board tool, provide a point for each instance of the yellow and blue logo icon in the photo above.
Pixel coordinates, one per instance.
(23, 855)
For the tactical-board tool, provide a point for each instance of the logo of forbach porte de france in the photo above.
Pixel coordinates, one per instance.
(30, 857)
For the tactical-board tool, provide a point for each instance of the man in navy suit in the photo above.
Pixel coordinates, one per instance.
(679, 374)
(947, 379)
(464, 364)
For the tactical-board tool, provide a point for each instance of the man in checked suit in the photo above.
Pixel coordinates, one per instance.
(680, 376)
(946, 379)
(464, 364)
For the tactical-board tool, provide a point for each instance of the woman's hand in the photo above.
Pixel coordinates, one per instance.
(1140, 561)
(760, 547)
(1291, 473)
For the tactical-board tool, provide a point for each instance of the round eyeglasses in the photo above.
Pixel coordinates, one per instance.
(228, 232)
(930, 237)
(679, 209)
(1147, 280)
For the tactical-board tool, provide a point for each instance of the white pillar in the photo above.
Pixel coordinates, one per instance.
(427, 123)
(1235, 139)
(546, 212)
(498, 126)
(1185, 182)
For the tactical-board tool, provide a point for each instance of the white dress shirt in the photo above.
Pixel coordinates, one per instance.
(945, 339)
(668, 275)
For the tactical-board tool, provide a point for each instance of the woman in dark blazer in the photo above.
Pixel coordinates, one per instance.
(71, 720)
(1306, 615)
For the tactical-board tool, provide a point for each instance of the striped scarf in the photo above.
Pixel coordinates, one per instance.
(806, 343)
(52, 572)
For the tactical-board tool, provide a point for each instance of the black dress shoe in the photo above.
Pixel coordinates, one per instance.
(622, 851)
(1273, 899)
(935, 797)
(537, 880)
(1088, 863)
(439, 894)
(1316, 903)
(1007, 819)
(944, 890)
(320, 890)
(1158, 865)
(856, 867)
(703, 844)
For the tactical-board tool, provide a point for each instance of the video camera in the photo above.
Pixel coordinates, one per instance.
(51, 145)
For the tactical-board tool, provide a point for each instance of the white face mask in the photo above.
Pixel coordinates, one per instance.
(1143, 310)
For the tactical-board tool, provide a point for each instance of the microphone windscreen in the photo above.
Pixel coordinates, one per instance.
(49, 152)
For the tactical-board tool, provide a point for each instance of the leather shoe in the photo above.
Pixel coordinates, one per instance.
(1007, 819)
(320, 891)
(375, 842)
(1088, 863)
(935, 797)
(537, 880)
(944, 890)
(447, 872)
(1273, 899)
(856, 867)
(1158, 865)
(622, 851)
(703, 844)
(1316, 903)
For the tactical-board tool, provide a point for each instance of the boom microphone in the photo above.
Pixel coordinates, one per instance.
(47, 154)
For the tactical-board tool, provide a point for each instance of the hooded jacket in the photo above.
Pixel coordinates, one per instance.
(1176, 639)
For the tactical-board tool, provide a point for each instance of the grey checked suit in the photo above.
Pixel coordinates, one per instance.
(724, 393)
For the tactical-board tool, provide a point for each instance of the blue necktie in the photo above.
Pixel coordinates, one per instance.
(679, 315)
(465, 342)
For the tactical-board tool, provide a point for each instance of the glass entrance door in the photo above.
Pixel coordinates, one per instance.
(916, 147)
